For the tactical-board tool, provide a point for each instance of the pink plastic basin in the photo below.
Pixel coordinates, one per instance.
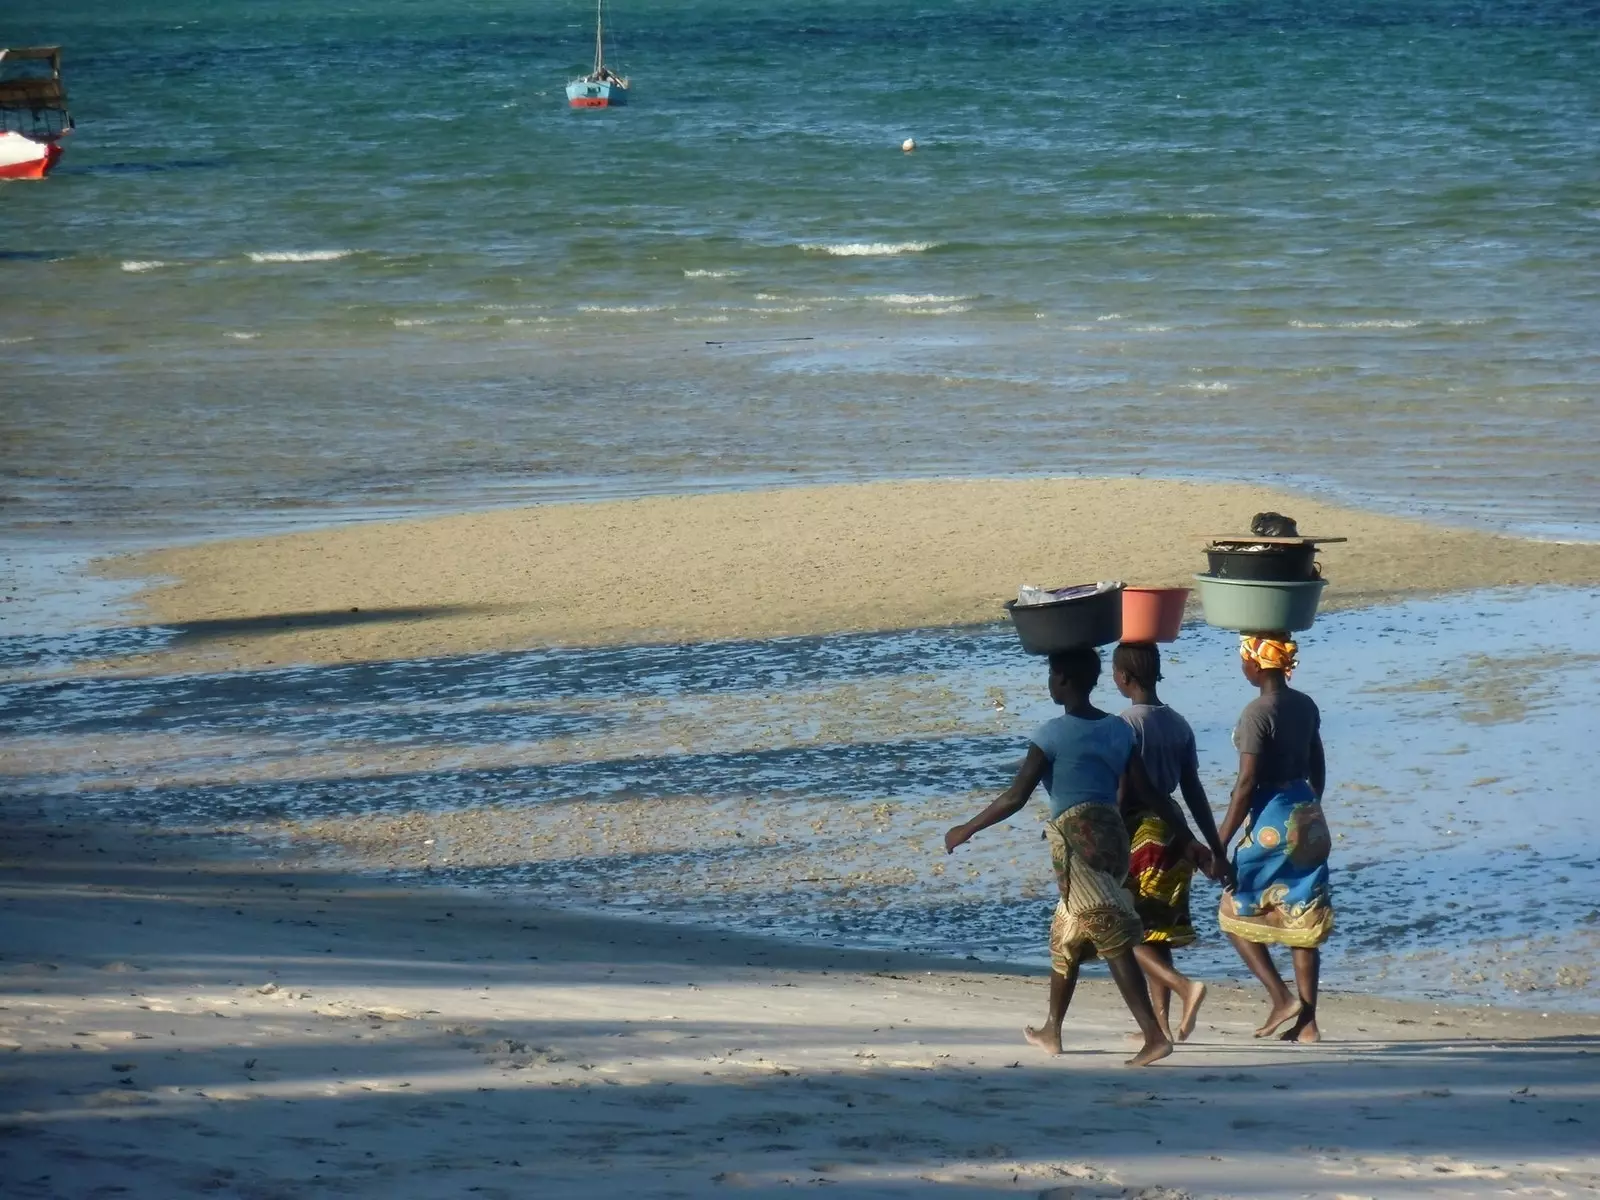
(1152, 614)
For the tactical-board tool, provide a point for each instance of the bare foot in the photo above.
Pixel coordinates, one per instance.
(1048, 1040)
(1153, 1052)
(1304, 1030)
(1191, 1010)
(1281, 1013)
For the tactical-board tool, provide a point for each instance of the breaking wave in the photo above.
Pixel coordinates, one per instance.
(866, 249)
(297, 256)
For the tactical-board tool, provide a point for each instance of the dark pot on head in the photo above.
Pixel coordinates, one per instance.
(1093, 620)
(1278, 564)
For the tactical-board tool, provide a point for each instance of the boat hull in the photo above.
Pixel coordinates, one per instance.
(595, 93)
(23, 158)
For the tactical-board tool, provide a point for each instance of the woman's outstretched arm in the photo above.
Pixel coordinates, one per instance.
(1194, 797)
(1007, 804)
(1244, 788)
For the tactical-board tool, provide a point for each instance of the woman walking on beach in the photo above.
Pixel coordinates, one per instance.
(1084, 758)
(1159, 871)
(1280, 892)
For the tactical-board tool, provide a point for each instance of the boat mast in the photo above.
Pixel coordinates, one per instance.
(599, 22)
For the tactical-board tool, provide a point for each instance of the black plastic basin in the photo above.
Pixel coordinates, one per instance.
(1094, 620)
(1276, 564)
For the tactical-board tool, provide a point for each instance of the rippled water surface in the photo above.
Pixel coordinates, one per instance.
(304, 259)
(802, 786)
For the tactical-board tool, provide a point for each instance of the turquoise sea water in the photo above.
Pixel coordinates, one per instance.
(305, 258)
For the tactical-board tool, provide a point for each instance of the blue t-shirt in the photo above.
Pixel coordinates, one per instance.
(1086, 759)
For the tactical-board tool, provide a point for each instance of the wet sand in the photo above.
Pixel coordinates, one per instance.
(761, 564)
(182, 1021)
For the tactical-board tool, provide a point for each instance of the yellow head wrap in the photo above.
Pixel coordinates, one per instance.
(1269, 654)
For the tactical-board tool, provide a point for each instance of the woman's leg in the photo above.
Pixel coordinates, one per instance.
(1307, 968)
(1285, 1007)
(1135, 994)
(1152, 957)
(1048, 1036)
(1164, 979)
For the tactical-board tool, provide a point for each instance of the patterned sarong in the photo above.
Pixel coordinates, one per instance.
(1281, 863)
(1159, 876)
(1095, 915)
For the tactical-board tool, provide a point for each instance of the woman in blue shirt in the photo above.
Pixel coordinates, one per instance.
(1085, 758)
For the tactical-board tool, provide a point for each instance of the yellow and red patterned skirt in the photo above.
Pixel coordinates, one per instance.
(1159, 877)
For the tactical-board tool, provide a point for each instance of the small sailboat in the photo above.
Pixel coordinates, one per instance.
(33, 111)
(602, 87)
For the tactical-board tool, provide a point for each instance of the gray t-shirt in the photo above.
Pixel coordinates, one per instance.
(1165, 742)
(1278, 728)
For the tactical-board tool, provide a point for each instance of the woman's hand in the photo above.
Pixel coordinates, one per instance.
(957, 835)
(1200, 855)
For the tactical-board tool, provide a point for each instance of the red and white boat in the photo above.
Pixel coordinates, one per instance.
(24, 158)
(33, 111)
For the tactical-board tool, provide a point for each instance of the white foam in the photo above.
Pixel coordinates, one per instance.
(710, 274)
(940, 310)
(624, 309)
(136, 266)
(241, 335)
(902, 298)
(866, 249)
(787, 308)
(413, 322)
(1354, 324)
(14, 341)
(297, 256)
(1111, 317)
(1208, 386)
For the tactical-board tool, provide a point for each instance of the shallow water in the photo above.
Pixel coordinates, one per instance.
(314, 260)
(801, 786)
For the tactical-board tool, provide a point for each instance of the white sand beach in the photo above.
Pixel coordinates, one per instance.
(179, 1021)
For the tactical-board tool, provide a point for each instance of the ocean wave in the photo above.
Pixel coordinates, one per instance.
(903, 298)
(621, 309)
(787, 308)
(296, 256)
(866, 249)
(1213, 385)
(1379, 324)
(241, 335)
(137, 266)
(938, 310)
(413, 322)
(702, 274)
(1111, 317)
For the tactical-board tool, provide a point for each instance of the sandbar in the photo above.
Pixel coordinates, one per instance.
(760, 564)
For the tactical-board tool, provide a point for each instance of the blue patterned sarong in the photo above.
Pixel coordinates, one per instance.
(1282, 894)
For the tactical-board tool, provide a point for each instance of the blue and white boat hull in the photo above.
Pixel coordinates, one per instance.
(596, 93)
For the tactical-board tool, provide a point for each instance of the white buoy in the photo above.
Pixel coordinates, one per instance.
(909, 145)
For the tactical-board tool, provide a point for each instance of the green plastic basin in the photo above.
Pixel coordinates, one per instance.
(1259, 605)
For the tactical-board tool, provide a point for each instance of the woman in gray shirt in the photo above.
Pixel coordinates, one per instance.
(1280, 892)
